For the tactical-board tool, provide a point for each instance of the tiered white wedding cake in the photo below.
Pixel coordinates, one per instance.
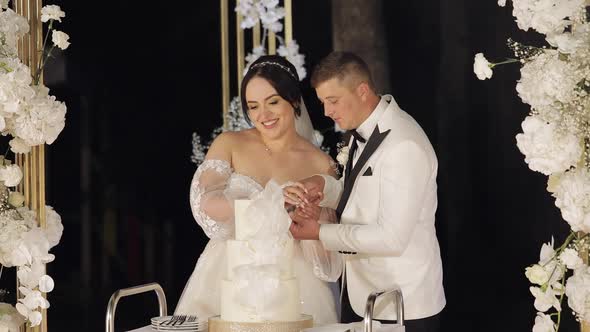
(259, 291)
(260, 284)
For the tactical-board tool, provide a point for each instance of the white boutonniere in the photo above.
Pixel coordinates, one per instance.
(342, 156)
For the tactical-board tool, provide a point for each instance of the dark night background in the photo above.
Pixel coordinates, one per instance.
(140, 77)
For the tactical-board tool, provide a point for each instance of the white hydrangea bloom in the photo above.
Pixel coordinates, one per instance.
(42, 121)
(577, 290)
(11, 175)
(570, 42)
(570, 258)
(17, 145)
(572, 196)
(545, 16)
(12, 27)
(15, 87)
(547, 80)
(545, 149)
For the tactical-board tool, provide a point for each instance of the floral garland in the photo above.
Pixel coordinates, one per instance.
(31, 117)
(269, 13)
(555, 82)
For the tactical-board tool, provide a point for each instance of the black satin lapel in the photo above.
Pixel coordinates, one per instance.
(372, 145)
(374, 141)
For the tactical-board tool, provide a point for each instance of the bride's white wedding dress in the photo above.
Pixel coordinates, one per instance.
(214, 188)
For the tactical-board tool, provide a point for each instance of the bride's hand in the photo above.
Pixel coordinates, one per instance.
(306, 191)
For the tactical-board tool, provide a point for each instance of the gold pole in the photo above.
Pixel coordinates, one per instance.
(256, 35)
(33, 163)
(224, 60)
(288, 21)
(272, 43)
(239, 47)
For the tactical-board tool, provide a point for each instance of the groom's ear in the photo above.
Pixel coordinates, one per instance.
(363, 90)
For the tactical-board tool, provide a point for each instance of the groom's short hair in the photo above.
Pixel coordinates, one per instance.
(347, 67)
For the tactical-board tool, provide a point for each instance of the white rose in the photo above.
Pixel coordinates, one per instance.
(51, 12)
(570, 258)
(481, 67)
(537, 274)
(16, 199)
(60, 39)
(543, 323)
(502, 3)
(17, 145)
(11, 175)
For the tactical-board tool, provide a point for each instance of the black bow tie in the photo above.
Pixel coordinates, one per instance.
(358, 136)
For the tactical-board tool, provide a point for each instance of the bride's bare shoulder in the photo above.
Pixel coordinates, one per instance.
(322, 161)
(224, 144)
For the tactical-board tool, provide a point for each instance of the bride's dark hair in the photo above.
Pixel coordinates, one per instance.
(278, 72)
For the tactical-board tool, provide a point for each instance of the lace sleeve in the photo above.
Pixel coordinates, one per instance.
(211, 198)
(327, 265)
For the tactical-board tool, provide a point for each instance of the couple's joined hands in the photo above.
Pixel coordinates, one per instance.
(305, 197)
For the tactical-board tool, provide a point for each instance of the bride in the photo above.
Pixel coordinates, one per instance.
(238, 166)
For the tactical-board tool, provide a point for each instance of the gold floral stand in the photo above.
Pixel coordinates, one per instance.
(216, 324)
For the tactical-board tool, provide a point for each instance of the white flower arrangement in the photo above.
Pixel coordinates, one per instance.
(31, 116)
(555, 82)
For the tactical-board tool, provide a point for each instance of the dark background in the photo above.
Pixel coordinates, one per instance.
(140, 77)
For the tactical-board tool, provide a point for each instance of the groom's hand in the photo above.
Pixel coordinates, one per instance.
(305, 225)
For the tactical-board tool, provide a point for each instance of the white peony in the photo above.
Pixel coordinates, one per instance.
(17, 145)
(547, 80)
(545, 299)
(52, 12)
(60, 39)
(577, 289)
(481, 67)
(291, 53)
(572, 196)
(543, 323)
(11, 175)
(570, 258)
(546, 150)
(546, 16)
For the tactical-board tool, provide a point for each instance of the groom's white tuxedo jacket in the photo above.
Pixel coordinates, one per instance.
(388, 217)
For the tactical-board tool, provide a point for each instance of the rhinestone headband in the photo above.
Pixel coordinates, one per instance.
(271, 63)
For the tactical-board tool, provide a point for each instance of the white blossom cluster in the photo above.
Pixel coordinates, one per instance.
(555, 83)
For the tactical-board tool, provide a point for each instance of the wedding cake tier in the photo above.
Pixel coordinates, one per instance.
(260, 291)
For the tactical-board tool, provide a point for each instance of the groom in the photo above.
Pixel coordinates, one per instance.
(385, 201)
